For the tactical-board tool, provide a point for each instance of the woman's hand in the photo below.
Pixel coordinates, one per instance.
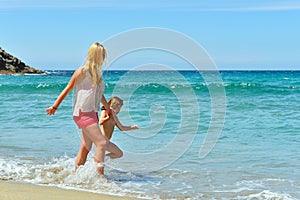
(103, 118)
(51, 110)
(108, 110)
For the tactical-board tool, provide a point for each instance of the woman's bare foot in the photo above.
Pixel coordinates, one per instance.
(100, 168)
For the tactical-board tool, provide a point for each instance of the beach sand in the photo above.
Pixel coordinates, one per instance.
(21, 191)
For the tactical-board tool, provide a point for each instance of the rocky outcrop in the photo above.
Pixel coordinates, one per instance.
(12, 65)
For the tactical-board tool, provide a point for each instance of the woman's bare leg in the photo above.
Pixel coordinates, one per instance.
(115, 151)
(93, 132)
(85, 147)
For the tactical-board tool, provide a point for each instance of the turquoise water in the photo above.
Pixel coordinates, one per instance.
(257, 155)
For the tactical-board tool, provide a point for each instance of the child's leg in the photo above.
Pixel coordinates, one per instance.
(93, 132)
(115, 151)
(85, 147)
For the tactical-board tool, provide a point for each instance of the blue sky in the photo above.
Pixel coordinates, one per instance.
(237, 34)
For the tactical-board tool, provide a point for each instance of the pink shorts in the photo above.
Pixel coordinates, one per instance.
(86, 119)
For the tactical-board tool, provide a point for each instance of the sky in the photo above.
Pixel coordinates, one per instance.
(236, 34)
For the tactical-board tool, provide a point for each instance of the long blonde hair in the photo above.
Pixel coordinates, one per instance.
(94, 61)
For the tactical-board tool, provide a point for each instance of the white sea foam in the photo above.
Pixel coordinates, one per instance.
(42, 85)
(30, 74)
(267, 195)
(59, 172)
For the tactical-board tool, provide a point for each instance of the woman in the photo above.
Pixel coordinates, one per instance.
(89, 93)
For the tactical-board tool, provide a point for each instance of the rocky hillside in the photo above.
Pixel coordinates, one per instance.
(12, 65)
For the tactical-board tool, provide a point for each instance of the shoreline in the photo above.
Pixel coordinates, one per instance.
(23, 191)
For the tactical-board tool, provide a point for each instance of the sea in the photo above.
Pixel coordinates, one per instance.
(202, 135)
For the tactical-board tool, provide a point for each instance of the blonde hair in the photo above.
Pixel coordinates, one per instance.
(95, 58)
(115, 102)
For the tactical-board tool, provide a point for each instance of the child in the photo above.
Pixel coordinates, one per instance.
(108, 123)
(89, 86)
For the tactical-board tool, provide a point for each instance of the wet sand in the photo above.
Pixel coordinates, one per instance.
(23, 191)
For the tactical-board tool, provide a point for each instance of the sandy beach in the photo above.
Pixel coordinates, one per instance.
(21, 191)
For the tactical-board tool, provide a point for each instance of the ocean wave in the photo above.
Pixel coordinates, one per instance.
(59, 172)
(267, 195)
(255, 88)
(156, 86)
(59, 72)
(32, 87)
(29, 74)
(254, 85)
(43, 85)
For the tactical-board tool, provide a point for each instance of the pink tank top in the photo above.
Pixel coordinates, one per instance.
(88, 96)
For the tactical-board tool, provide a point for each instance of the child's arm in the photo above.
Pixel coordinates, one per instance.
(51, 110)
(121, 127)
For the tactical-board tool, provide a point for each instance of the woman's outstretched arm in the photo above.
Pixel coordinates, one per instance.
(52, 109)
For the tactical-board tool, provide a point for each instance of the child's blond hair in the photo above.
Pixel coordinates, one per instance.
(115, 102)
